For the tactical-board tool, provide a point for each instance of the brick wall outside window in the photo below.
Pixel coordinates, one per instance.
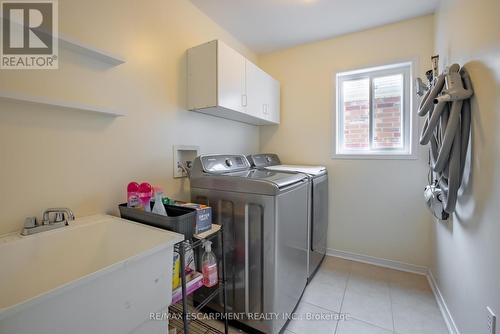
(356, 124)
(387, 113)
(387, 132)
(387, 117)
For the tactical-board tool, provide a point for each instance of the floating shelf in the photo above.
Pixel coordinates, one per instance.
(58, 103)
(76, 46)
(85, 49)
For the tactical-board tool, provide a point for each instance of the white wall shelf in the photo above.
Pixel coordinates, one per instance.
(85, 49)
(58, 103)
(76, 46)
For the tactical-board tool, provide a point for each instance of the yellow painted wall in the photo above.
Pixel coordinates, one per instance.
(465, 260)
(57, 157)
(376, 206)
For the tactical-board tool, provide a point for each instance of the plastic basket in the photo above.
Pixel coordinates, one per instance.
(180, 219)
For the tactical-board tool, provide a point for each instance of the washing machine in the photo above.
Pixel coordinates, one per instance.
(265, 237)
(317, 220)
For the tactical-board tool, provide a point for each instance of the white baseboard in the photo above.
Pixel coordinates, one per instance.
(445, 311)
(412, 268)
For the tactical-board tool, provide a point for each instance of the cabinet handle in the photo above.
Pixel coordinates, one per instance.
(244, 100)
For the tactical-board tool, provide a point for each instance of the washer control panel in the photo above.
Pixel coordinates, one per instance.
(224, 163)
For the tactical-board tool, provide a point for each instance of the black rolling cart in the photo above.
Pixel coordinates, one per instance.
(183, 220)
(220, 288)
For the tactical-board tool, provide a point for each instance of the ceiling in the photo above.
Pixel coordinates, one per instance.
(269, 25)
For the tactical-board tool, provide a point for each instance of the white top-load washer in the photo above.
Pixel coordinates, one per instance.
(265, 237)
(318, 203)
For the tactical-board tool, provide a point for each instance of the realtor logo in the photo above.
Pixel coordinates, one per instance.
(29, 35)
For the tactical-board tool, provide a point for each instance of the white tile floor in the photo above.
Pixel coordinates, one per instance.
(374, 299)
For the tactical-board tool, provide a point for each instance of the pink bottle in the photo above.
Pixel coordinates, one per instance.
(145, 194)
(209, 266)
(133, 200)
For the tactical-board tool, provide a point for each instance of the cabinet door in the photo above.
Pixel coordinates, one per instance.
(270, 96)
(274, 101)
(231, 78)
(267, 92)
(255, 90)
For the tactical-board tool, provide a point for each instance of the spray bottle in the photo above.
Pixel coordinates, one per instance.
(209, 266)
(158, 207)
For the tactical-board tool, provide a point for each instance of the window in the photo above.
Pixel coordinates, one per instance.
(373, 112)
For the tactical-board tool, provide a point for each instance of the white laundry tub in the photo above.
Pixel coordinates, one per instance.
(101, 274)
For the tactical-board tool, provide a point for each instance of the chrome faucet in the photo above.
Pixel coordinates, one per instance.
(62, 216)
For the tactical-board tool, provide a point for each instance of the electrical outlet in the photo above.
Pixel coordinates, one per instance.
(492, 321)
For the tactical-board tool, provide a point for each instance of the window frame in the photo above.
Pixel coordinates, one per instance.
(408, 119)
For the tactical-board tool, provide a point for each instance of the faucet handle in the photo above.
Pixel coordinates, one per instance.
(59, 217)
(30, 222)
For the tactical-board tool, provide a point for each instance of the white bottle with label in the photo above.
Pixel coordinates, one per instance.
(158, 207)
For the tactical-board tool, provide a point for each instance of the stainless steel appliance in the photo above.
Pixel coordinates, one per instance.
(264, 214)
(318, 203)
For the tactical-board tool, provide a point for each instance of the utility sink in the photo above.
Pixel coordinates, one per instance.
(101, 274)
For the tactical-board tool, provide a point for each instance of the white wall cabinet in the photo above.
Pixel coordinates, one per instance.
(223, 83)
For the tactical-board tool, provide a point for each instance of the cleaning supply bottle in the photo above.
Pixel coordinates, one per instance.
(133, 200)
(209, 266)
(168, 201)
(158, 207)
(145, 194)
(176, 271)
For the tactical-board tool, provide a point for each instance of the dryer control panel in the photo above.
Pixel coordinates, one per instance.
(264, 160)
